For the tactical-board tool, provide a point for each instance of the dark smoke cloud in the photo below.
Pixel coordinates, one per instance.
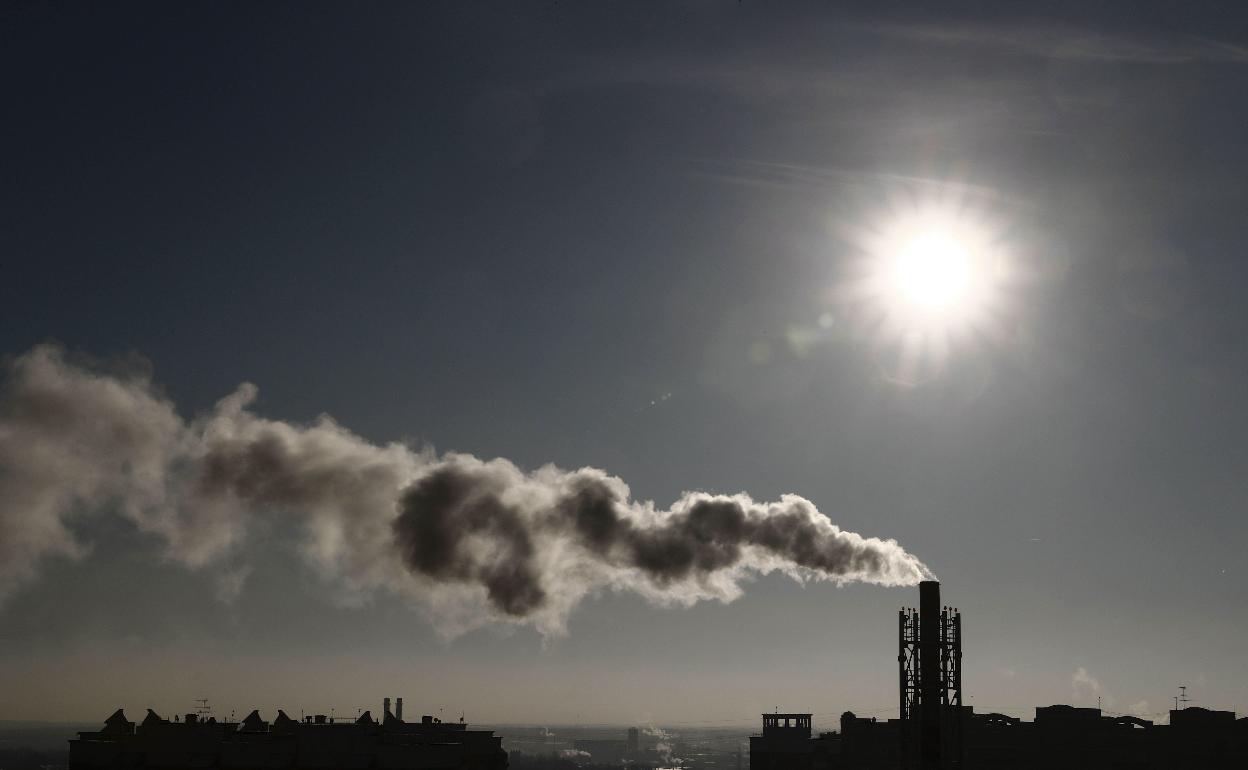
(468, 541)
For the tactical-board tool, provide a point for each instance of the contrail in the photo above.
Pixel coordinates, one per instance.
(468, 541)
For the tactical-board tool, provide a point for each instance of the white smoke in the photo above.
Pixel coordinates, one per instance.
(469, 541)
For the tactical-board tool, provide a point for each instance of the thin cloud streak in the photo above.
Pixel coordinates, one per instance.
(807, 177)
(1059, 41)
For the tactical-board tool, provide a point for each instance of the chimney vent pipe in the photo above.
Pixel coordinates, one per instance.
(929, 672)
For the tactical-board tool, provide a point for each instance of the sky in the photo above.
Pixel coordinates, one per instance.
(642, 238)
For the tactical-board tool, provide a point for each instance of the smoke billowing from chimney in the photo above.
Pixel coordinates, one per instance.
(469, 541)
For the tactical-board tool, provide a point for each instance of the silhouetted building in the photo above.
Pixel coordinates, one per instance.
(936, 731)
(316, 742)
(785, 743)
(1064, 737)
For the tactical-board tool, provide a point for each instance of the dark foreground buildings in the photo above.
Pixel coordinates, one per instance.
(1059, 737)
(936, 731)
(285, 744)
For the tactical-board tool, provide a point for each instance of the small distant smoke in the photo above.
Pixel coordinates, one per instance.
(664, 750)
(470, 541)
(654, 731)
(1087, 688)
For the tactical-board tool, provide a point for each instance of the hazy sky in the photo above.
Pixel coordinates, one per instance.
(627, 236)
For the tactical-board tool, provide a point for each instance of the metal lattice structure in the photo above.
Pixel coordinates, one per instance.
(929, 671)
(908, 661)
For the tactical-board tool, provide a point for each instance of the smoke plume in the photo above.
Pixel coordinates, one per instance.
(470, 541)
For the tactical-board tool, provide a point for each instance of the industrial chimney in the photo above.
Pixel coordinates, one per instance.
(929, 672)
(398, 708)
(929, 663)
(385, 708)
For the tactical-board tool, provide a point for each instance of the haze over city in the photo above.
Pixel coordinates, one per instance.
(559, 363)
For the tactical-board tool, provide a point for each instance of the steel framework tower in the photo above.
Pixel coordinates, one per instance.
(929, 669)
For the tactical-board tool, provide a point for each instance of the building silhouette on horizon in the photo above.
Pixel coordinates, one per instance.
(935, 731)
(318, 742)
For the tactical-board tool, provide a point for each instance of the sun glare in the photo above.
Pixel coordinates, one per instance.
(929, 275)
(932, 270)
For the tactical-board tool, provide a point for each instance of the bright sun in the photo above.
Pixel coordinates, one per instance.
(930, 274)
(932, 270)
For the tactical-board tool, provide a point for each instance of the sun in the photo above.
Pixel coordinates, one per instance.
(932, 270)
(928, 274)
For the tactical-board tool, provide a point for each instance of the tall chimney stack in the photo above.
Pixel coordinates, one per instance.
(929, 671)
(385, 709)
(398, 708)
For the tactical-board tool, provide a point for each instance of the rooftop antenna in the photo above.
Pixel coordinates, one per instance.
(202, 708)
(1181, 700)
